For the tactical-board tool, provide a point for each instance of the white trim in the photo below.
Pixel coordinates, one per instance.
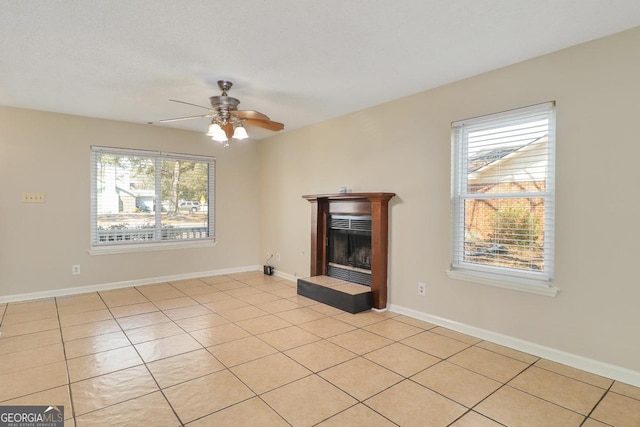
(607, 370)
(123, 284)
(142, 152)
(287, 276)
(513, 114)
(148, 247)
(504, 282)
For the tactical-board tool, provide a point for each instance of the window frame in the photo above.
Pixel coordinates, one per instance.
(504, 277)
(157, 243)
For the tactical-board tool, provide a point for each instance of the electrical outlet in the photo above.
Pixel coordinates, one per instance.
(278, 256)
(422, 289)
(75, 270)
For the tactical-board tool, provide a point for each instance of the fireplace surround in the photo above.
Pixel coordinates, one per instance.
(361, 208)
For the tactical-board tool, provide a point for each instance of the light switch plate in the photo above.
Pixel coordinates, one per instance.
(32, 197)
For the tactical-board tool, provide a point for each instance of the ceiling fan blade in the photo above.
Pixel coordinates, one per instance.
(185, 118)
(267, 124)
(188, 103)
(228, 130)
(250, 114)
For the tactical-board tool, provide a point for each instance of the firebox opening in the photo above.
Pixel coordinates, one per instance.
(349, 248)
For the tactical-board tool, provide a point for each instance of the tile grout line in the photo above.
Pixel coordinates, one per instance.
(117, 370)
(35, 348)
(227, 368)
(587, 416)
(144, 362)
(356, 356)
(160, 389)
(312, 373)
(66, 364)
(607, 391)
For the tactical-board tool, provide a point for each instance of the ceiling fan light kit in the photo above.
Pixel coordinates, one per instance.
(226, 120)
(240, 132)
(216, 133)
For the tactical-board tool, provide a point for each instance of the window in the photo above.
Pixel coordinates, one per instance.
(149, 199)
(503, 199)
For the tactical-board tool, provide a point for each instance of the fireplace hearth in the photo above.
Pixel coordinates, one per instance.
(349, 240)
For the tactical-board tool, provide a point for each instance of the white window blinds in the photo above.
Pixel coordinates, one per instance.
(503, 193)
(142, 197)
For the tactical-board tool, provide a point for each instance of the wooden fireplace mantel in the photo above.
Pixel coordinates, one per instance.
(374, 204)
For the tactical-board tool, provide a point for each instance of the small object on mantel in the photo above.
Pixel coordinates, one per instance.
(344, 190)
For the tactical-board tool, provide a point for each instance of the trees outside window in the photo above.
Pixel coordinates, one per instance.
(503, 194)
(150, 197)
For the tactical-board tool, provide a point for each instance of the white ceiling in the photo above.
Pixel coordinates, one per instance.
(298, 61)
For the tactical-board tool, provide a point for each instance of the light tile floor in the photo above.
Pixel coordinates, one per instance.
(245, 350)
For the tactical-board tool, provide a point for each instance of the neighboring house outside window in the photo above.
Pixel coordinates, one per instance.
(503, 199)
(149, 199)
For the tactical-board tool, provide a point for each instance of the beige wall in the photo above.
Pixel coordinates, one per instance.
(404, 147)
(49, 153)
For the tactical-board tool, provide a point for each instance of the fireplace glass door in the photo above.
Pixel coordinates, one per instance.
(349, 248)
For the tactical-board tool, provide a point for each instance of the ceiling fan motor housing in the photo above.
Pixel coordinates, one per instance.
(224, 101)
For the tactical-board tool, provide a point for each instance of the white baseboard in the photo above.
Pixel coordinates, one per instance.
(579, 362)
(286, 276)
(124, 284)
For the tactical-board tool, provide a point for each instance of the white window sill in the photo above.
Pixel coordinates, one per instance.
(515, 284)
(148, 247)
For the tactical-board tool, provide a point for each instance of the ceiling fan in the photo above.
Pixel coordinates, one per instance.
(226, 120)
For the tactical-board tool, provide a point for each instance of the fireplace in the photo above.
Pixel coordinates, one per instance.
(349, 237)
(349, 248)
